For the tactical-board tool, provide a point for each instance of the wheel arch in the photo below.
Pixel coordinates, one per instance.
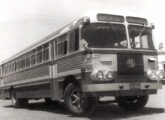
(70, 79)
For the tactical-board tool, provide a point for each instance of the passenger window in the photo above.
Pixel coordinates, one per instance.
(10, 68)
(23, 63)
(62, 45)
(46, 52)
(17, 65)
(7, 69)
(74, 41)
(33, 57)
(13, 67)
(39, 54)
(27, 59)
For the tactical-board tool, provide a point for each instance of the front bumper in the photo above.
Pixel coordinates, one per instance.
(107, 87)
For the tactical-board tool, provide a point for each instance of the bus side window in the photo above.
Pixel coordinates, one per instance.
(46, 52)
(39, 54)
(6, 69)
(22, 62)
(27, 60)
(74, 41)
(33, 57)
(62, 45)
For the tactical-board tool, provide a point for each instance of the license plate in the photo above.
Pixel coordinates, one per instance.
(134, 85)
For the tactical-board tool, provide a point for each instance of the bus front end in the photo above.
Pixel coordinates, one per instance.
(121, 60)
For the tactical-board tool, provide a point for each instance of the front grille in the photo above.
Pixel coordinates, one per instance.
(130, 64)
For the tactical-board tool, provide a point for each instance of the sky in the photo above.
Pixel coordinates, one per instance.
(24, 22)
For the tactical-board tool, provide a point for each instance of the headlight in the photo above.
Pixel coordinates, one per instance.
(102, 75)
(152, 75)
(155, 75)
(109, 75)
(160, 75)
(99, 75)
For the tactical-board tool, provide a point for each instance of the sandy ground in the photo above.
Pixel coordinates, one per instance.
(38, 110)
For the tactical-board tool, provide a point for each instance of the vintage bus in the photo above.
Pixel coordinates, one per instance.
(92, 57)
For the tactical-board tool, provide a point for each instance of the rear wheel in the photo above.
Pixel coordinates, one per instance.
(132, 103)
(76, 102)
(18, 102)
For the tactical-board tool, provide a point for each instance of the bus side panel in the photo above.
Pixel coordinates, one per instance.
(27, 75)
(68, 66)
(57, 91)
(34, 82)
(41, 90)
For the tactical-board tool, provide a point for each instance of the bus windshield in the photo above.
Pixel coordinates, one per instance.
(105, 35)
(140, 37)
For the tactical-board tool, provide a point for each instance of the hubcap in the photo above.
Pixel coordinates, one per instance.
(132, 100)
(75, 99)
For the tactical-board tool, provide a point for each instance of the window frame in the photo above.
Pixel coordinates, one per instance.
(39, 54)
(65, 42)
(76, 40)
(33, 60)
(150, 42)
(45, 52)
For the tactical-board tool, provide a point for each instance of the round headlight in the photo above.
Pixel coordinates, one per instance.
(99, 75)
(161, 75)
(109, 75)
(152, 75)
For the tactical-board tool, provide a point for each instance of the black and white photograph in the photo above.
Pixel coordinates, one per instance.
(82, 60)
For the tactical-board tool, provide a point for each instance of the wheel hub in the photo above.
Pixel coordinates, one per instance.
(76, 100)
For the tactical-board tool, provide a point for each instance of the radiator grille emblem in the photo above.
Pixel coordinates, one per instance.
(131, 63)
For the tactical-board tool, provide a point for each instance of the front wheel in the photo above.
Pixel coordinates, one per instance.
(132, 103)
(76, 102)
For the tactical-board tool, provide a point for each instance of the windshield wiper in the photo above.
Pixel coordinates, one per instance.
(144, 27)
(139, 37)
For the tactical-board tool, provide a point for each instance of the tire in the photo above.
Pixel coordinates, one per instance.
(76, 102)
(132, 103)
(17, 102)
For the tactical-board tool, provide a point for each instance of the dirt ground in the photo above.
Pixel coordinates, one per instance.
(38, 110)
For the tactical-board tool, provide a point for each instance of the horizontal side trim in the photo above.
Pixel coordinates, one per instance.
(115, 50)
(117, 86)
(70, 72)
(32, 84)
